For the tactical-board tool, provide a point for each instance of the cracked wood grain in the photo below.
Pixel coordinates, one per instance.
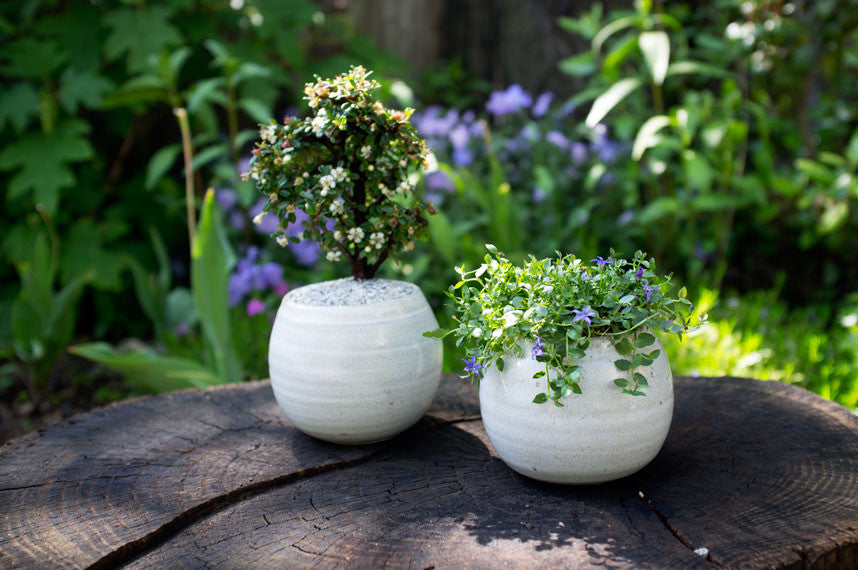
(761, 474)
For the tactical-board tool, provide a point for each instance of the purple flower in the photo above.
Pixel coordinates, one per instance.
(281, 288)
(602, 262)
(306, 252)
(540, 108)
(539, 195)
(607, 149)
(243, 165)
(648, 290)
(462, 156)
(578, 152)
(471, 365)
(269, 223)
(584, 315)
(272, 274)
(254, 307)
(625, 217)
(439, 181)
(639, 274)
(538, 349)
(510, 101)
(460, 136)
(558, 139)
(431, 123)
(181, 329)
(226, 198)
(237, 220)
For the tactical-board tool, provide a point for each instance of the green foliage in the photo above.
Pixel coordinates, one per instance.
(348, 167)
(555, 306)
(87, 142)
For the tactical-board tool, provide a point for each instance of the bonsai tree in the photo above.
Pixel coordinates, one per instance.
(351, 166)
(548, 309)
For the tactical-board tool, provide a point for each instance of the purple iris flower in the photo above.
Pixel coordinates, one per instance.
(601, 262)
(272, 273)
(648, 290)
(540, 107)
(639, 274)
(584, 314)
(538, 348)
(471, 365)
(512, 100)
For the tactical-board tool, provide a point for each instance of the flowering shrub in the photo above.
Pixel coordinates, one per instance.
(555, 306)
(350, 168)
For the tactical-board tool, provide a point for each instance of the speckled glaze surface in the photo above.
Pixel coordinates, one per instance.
(354, 374)
(597, 436)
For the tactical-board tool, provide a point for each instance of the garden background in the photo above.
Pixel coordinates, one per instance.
(721, 137)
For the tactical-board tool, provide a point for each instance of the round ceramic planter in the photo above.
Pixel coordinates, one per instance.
(599, 435)
(354, 373)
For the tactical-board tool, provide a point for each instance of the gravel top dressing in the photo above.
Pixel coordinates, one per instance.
(350, 291)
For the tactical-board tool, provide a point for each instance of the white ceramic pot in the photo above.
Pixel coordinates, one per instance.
(596, 436)
(354, 373)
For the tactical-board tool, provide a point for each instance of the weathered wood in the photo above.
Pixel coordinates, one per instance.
(760, 474)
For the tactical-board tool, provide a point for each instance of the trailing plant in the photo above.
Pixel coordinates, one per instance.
(350, 167)
(552, 308)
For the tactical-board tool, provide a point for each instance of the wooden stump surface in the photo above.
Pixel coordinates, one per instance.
(760, 474)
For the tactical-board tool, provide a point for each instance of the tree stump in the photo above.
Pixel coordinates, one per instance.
(759, 474)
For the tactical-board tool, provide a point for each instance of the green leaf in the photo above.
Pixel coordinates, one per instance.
(619, 54)
(212, 260)
(624, 346)
(500, 364)
(576, 388)
(29, 58)
(442, 237)
(82, 89)
(644, 340)
(578, 65)
(257, 110)
(540, 398)
(657, 209)
(83, 251)
(621, 382)
(437, 333)
(640, 379)
(249, 70)
(492, 249)
(148, 369)
(654, 354)
(610, 99)
(816, 171)
(698, 172)
(539, 374)
(160, 163)
(647, 136)
(655, 47)
(612, 28)
(695, 68)
(139, 33)
(622, 364)
(626, 299)
(576, 353)
(42, 162)
(204, 91)
(19, 104)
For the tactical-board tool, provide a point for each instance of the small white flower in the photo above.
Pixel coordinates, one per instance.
(337, 206)
(378, 108)
(327, 181)
(257, 219)
(403, 187)
(319, 122)
(409, 246)
(366, 152)
(282, 241)
(370, 167)
(367, 249)
(477, 332)
(299, 181)
(338, 235)
(356, 234)
(273, 197)
(254, 175)
(339, 174)
(333, 255)
(402, 163)
(290, 208)
(385, 190)
(376, 239)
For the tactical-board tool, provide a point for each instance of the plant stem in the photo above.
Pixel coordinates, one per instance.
(188, 154)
